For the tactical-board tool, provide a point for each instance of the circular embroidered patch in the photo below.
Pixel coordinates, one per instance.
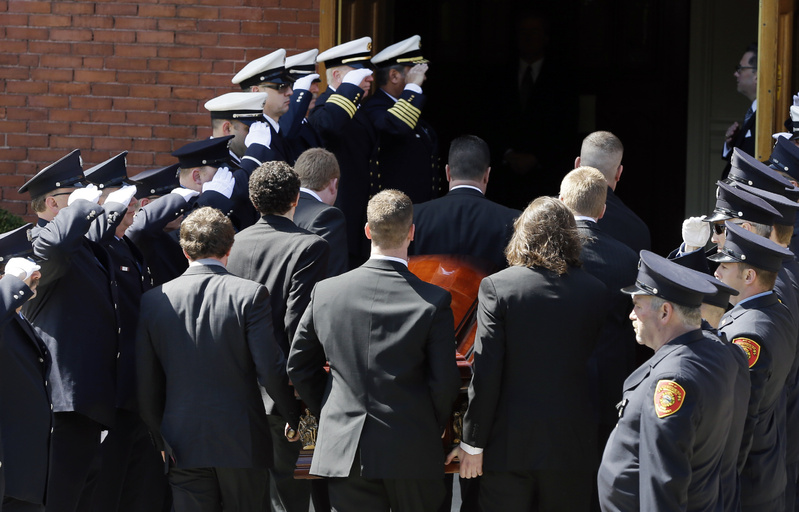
(751, 347)
(668, 398)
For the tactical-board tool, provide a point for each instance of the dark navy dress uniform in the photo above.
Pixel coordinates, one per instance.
(26, 416)
(160, 249)
(298, 133)
(258, 154)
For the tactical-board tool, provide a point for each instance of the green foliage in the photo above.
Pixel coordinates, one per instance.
(9, 221)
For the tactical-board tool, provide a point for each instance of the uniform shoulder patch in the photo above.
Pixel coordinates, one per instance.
(669, 397)
(751, 347)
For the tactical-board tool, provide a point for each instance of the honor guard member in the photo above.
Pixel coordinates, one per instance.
(785, 160)
(677, 410)
(26, 416)
(406, 157)
(77, 277)
(233, 114)
(761, 325)
(156, 225)
(206, 168)
(131, 474)
(347, 133)
(301, 135)
(319, 176)
(265, 141)
(288, 261)
(205, 354)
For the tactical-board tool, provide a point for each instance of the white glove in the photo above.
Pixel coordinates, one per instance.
(222, 182)
(356, 76)
(305, 82)
(259, 134)
(122, 196)
(796, 100)
(90, 193)
(21, 267)
(695, 232)
(185, 193)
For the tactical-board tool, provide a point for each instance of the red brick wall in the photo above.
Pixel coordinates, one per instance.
(104, 77)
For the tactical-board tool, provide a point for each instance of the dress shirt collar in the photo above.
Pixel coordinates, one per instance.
(311, 193)
(584, 218)
(755, 296)
(272, 122)
(390, 258)
(206, 262)
(466, 186)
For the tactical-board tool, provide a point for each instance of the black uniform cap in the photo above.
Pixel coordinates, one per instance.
(16, 243)
(111, 173)
(65, 173)
(748, 170)
(156, 182)
(786, 207)
(672, 282)
(785, 157)
(742, 246)
(736, 203)
(212, 152)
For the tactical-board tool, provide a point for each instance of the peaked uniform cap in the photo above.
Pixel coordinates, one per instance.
(247, 107)
(16, 244)
(156, 182)
(786, 207)
(743, 246)
(407, 52)
(211, 152)
(111, 173)
(67, 172)
(355, 54)
(672, 282)
(302, 64)
(269, 68)
(748, 170)
(785, 157)
(736, 203)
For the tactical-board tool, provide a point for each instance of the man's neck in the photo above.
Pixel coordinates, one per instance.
(469, 183)
(401, 253)
(675, 331)
(749, 291)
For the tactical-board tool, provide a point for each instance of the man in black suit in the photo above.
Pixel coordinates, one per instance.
(289, 261)
(465, 221)
(406, 157)
(389, 340)
(603, 151)
(204, 344)
(737, 135)
(584, 191)
(25, 409)
(537, 323)
(75, 312)
(763, 327)
(319, 176)
(345, 130)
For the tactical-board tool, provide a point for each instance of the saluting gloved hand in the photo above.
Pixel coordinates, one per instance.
(695, 233)
(90, 193)
(22, 268)
(222, 182)
(122, 196)
(416, 75)
(356, 76)
(186, 193)
(305, 82)
(796, 100)
(259, 134)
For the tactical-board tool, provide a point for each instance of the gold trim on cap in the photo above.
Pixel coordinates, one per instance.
(354, 59)
(412, 59)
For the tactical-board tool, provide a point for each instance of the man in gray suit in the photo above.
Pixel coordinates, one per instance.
(204, 343)
(390, 343)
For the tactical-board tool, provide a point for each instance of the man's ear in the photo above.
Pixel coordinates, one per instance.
(619, 171)
(604, 209)
(446, 169)
(227, 128)
(144, 201)
(196, 176)
(367, 231)
(577, 162)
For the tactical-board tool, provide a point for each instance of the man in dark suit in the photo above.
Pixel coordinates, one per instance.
(78, 277)
(584, 191)
(319, 176)
(537, 323)
(288, 261)
(389, 340)
(204, 343)
(763, 327)
(346, 131)
(743, 136)
(677, 413)
(465, 221)
(406, 157)
(25, 409)
(603, 151)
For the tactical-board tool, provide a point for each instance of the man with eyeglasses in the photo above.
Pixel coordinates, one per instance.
(743, 135)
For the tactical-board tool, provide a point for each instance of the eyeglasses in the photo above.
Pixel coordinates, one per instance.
(719, 229)
(277, 87)
(739, 68)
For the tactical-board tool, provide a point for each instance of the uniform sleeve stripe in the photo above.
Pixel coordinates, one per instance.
(248, 157)
(402, 117)
(344, 103)
(407, 113)
(406, 104)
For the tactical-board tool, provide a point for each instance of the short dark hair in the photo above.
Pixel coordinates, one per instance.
(390, 217)
(545, 235)
(469, 158)
(206, 233)
(382, 74)
(316, 167)
(753, 59)
(273, 188)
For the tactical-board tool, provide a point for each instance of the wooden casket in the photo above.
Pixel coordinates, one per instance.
(461, 276)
